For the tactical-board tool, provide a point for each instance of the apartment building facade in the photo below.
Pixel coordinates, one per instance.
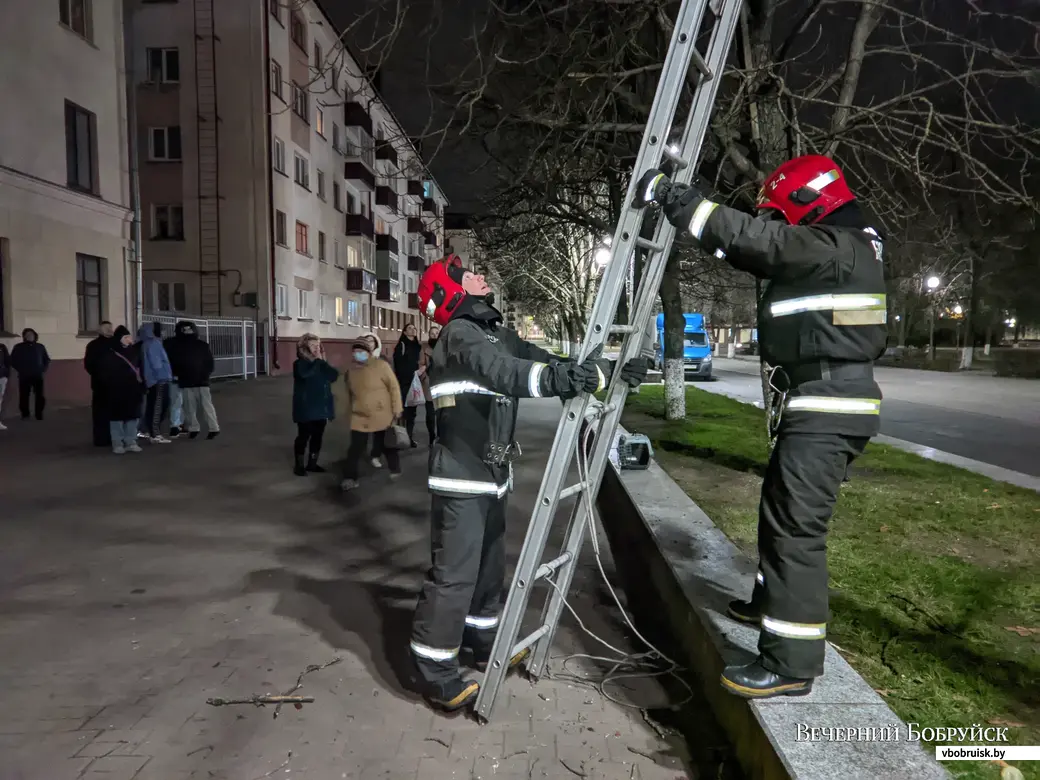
(275, 183)
(65, 219)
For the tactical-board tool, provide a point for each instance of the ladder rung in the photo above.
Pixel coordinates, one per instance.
(701, 65)
(529, 640)
(549, 567)
(572, 490)
(647, 244)
(622, 329)
(675, 157)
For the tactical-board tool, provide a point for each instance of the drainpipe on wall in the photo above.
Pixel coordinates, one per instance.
(268, 179)
(135, 178)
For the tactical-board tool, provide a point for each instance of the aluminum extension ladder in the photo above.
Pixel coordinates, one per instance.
(654, 152)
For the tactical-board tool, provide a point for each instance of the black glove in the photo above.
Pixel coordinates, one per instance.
(677, 201)
(633, 373)
(589, 376)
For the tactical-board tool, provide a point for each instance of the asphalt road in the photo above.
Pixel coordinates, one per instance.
(995, 420)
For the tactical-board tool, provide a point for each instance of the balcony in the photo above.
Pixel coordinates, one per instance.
(360, 174)
(416, 188)
(386, 197)
(416, 263)
(386, 151)
(416, 226)
(413, 301)
(429, 207)
(362, 280)
(356, 115)
(359, 225)
(388, 290)
(386, 243)
(431, 239)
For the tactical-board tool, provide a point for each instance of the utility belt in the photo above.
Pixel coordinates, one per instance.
(784, 379)
(497, 454)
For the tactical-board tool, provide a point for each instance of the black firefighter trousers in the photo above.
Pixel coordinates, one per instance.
(799, 492)
(463, 593)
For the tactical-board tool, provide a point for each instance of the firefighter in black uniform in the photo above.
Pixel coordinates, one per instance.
(822, 324)
(478, 371)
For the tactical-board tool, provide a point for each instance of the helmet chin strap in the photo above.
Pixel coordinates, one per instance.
(489, 299)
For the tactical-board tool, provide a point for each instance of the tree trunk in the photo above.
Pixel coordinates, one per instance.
(967, 353)
(674, 330)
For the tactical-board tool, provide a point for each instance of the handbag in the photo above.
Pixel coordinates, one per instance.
(396, 438)
(416, 396)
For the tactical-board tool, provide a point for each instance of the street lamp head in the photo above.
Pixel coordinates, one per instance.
(957, 309)
(602, 257)
(932, 282)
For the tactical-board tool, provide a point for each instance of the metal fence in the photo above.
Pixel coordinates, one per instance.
(233, 341)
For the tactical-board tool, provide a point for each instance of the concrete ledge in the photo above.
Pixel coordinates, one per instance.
(669, 553)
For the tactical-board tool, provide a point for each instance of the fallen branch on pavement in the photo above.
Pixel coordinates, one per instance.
(259, 700)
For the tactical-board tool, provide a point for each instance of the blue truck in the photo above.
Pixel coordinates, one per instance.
(696, 347)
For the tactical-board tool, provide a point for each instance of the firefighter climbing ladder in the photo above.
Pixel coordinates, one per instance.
(654, 152)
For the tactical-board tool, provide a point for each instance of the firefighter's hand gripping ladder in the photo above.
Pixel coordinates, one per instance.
(654, 152)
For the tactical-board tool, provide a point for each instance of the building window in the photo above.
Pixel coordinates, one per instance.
(276, 10)
(169, 296)
(337, 196)
(380, 226)
(381, 317)
(353, 318)
(321, 248)
(164, 143)
(352, 256)
(337, 256)
(281, 300)
(277, 80)
(319, 60)
(321, 184)
(352, 204)
(279, 155)
(339, 310)
(301, 171)
(280, 236)
(164, 66)
(81, 148)
(334, 80)
(88, 292)
(323, 307)
(75, 14)
(337, 138)
(299, 102)
(297, 31)
(168, 223)
(303, 301)
(366, 317)
(319, 121)
(302, 242)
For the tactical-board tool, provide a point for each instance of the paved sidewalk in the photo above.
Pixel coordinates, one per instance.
(133, 588)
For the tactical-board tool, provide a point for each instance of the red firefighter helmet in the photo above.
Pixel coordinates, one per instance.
(440, 289)
(805, 189)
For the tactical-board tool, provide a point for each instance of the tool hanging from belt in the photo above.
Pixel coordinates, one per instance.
(783, 380)
(775, 403)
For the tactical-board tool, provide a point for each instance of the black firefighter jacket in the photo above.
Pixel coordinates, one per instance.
(478, 371)
(822, 317)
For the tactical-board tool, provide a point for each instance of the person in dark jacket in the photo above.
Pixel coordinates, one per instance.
(312, 402)
(121, 386)
(191, 361)
(406, 363)
(96, 348)
(30, 359)
(822, 323)
(478, 371)
(5, 374)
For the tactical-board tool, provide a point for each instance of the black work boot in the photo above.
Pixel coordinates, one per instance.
(754, 681)
(745, 612)
(298, 468)
(481, 659)
(453, 695)
(312, 464)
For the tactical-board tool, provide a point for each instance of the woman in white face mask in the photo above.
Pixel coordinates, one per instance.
(375, 403)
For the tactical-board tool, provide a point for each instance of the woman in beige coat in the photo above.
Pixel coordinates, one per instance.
(424, 377)
(374, 397)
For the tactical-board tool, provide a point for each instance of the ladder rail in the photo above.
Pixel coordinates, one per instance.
(690, 147)
(659, 124)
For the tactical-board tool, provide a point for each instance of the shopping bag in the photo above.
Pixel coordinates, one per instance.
(415, 396)
(396, 438)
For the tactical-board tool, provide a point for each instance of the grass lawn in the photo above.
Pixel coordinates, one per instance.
(935, 571)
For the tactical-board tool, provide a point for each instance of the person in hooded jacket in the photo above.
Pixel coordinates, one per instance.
(121, 387)
(407, 354)
(313, 404)
(155, 368)
(424, 377)
(822, 322)
(191, 360)
(30, 359)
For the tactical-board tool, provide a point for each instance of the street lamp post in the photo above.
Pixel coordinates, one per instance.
(932, 284)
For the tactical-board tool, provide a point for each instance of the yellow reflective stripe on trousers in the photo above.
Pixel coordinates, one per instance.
(700, 218)
(844, 302)
(481, 623)
(829, 405)
(790, 630)
(433, 653)
(467, 487)
(459, 387)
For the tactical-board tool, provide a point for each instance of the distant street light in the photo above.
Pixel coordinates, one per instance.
(674, 149)
(602, 257)
(957, 309)
(932, 282)
(1010, 322)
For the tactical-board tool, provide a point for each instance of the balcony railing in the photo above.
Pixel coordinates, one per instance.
(416, 226)
(360, 147)
(359, 225)
(362, 280)
(360, 174)
(415, 188)
(387, 243)
(386, 151)
(388, 290)
(413, 301)
(416, 263)
(356, 115)
(431, 239)
(387, 266)
(429, 207)
(386, 197)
